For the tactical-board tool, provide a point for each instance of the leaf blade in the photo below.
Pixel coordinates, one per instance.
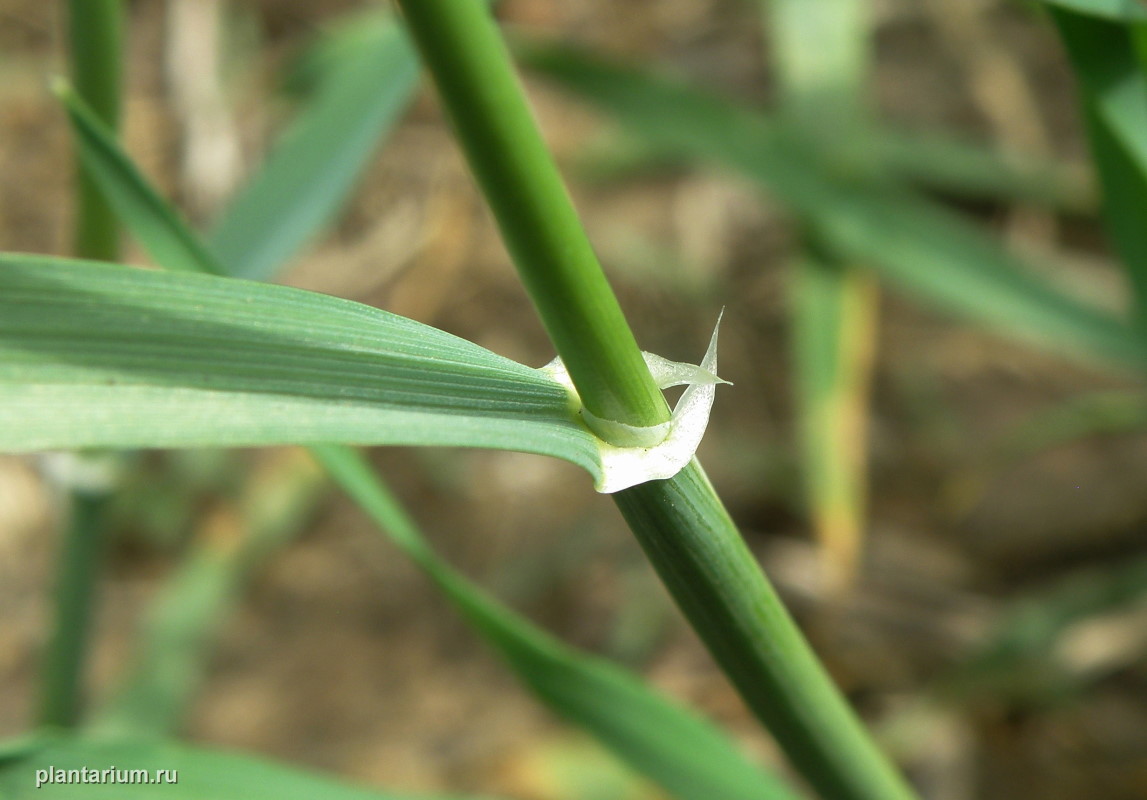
(98, 355)
(907, 240)
(156, 225)
(1114, 88)
(309, 174)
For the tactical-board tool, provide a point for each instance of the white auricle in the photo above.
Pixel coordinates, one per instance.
(658, 451)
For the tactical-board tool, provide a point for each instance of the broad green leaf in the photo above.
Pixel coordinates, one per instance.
(901, 235)
(200, 774)
(611, 474)
(155, 224)
(93, 355)
(681, 752)
(370, 76)
(1123, 10)
(1114, 86)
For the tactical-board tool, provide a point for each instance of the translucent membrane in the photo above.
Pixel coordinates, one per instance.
(631, 455)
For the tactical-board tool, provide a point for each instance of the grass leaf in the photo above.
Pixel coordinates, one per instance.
(93, 355)
(908, 240)
(151, 220)
(964, 169)
(1024, 657)
(678, 750)
(369, 78)
(1114, 86)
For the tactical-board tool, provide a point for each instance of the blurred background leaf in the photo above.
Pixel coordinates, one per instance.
(1114, 86)
(366, 74)
(909, 241)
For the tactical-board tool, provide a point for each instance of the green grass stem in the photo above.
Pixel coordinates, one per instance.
(95, 33)
(703, 561)
(62, 672)
(94, 38)
(471, 66)
(834, 301)
(680, 522)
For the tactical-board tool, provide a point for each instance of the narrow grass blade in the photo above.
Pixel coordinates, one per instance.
(366, 83)
(906, 239)
(273, 508)
(167, 237)
(1114, 85)
(95, 355)
(965, 169)
(950, 166)
(200, 773)
(834, 332)
(671, 746)
(151, 221)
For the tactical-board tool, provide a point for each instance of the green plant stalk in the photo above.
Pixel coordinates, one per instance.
(680, 522)
(835, 303)
(546, 665)
(94, 36)
(833, 331)
(62, 671)
(821, 86)
(703, 561)
(463, 48)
